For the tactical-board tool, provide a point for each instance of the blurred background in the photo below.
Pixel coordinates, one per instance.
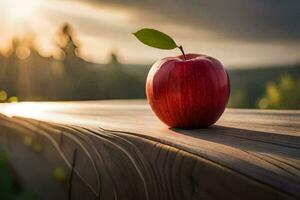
(84, 50)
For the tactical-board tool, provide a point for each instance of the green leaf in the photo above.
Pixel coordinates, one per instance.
(154, 38)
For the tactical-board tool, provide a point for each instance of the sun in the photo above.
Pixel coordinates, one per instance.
(19, 10)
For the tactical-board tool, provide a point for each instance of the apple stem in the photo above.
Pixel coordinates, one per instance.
(181, 49)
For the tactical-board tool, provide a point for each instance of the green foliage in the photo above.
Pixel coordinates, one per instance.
(12, 99)
(9, 189)
(5, 99)
(3, 96)
(37, 147)
(282, 95)
(60, 174)
(239, 99)
(27, 141)
(156, 39)
(6, 178)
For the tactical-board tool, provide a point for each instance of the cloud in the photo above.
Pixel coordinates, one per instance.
(235, 19)
(256, 32)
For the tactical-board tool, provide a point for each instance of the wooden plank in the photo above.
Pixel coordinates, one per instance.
(126, 152)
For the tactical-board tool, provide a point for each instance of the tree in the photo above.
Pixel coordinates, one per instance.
(66, 43)
(282, 95)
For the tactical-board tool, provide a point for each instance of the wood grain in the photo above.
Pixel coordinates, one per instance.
(125, 152)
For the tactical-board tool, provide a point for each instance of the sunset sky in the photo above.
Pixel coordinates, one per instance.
(239, 33)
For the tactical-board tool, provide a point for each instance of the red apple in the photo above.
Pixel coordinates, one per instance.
(188, 93)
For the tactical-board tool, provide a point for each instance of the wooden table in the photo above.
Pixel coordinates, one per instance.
(120, 150)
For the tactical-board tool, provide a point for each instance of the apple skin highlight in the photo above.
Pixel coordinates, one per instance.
(188, 93)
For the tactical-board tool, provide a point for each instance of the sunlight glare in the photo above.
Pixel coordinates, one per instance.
(20, 9)
(26, 109)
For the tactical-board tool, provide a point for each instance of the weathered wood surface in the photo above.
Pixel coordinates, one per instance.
(124, 152)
